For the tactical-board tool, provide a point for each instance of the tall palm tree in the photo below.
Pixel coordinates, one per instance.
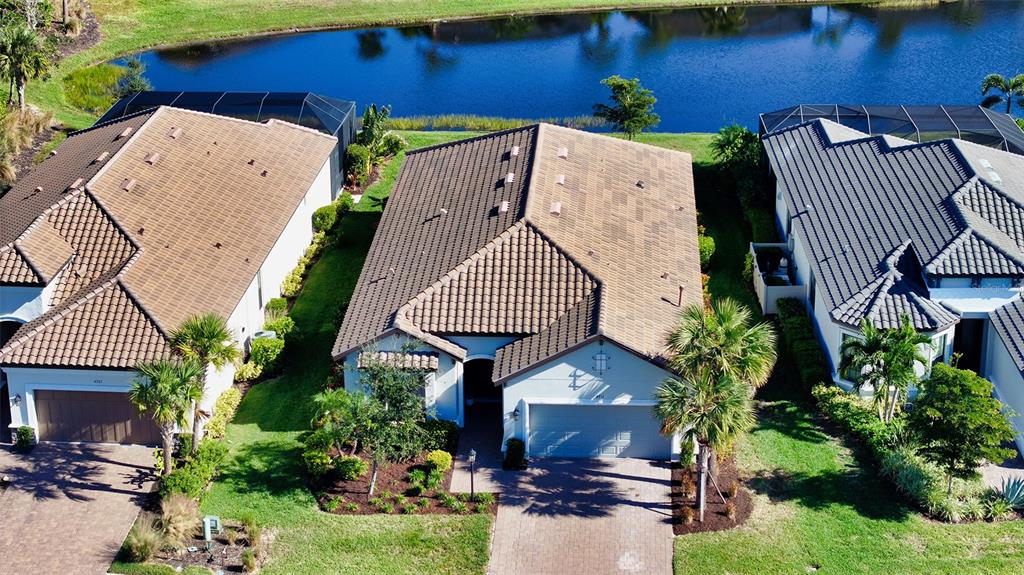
(884, 360)
(1010, 88)
(722, 340)
(207, 340)
(161, 389)
(713, 408)
(24, 56)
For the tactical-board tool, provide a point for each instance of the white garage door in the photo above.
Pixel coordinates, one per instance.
(596, 431)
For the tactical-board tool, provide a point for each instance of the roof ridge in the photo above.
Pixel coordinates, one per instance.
(454, 143)
(112, 121)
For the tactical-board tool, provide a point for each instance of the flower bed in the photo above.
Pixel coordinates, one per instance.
(718, 515)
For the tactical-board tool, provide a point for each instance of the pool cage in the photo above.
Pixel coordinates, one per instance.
(915, 123)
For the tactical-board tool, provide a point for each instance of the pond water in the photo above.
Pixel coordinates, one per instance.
(706, 66)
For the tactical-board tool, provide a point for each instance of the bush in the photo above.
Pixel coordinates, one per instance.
(282, 326)
(357, 163)
(24, 438)
(144, 540)
(350, 468)
(800, 345)
(73, 27)
(277, 305)
(440, 460)
(1012, 490)
(318, 462)
(193, 477)
(748, 269)
(515, 454)
(293, 281)
(441, 434)
(706, 246)
(223, 412)
(179, 518)
(344, 204)
(248, 558)
(324, 217)
(265, 351)
(485, 498)
(248, 371)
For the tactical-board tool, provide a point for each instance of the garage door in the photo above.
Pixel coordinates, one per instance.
(596, 431)
(92, 416)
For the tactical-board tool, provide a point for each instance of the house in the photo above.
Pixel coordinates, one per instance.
(533, 275)
(877, 227)
(129, 228)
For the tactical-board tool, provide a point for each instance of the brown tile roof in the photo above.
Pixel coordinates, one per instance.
(15, 269)
(611, 261)
(418, 360)
(187, 237)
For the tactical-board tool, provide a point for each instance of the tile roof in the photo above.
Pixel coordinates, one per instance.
(418, 360)
(15, 269)
(1008, 322)
(611, 261)
(856, 201)
(129, 261)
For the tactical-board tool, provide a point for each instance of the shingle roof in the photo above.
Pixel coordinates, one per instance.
(855, 201)
(187, 236)
(598, 236)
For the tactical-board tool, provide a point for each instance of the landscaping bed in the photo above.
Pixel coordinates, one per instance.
(227, 552)
(719, 515)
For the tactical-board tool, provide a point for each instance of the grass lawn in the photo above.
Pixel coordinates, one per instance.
(816, 508)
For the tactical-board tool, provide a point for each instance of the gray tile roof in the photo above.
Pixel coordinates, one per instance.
(858, 201)
(1008, 322)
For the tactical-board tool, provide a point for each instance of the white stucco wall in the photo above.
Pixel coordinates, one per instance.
(23, 381)
(1001, 370)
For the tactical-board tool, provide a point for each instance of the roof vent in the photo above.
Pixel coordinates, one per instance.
(218, 245)
(509, 178)
(664, 276)
(53, 153)
(515, 151)
(985, 164)
(263, 173)
(443, 211)
(101, 157)
(640, 184)
(174, 133)
(560, 179)
(128, 185)
(563, 152)
(556, 208)
(252, 162)
(76, 184)
(994, 177)
(142, 231)
(127, 132)
(152, 158)
(503, 206)
(38, 190)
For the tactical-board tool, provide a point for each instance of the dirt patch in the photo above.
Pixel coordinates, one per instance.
(86, 38)
(719, 515)
(221, 555)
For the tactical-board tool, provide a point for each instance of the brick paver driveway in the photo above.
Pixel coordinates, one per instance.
(69, 506)
(594, 517)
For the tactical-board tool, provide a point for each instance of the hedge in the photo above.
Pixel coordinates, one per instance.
(197, 472)
(798, 343)
(265, 351)
(223, 412)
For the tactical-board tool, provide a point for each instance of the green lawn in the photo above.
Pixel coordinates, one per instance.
(816, 508)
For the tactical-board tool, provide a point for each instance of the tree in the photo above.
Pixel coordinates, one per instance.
(737, 147)
(713, 408)
(959, 423)
(376, 134)
(161, 389)
(24, 56)
(721, 339)
(344, 416)
(633, 109)
(1010, 88)
(884, 360)
(132, 82)
(206, 340)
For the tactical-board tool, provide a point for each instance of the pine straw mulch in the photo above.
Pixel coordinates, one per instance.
(716, 514)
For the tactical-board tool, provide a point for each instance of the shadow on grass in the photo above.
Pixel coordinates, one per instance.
(267, 467)
(794, 420)
(852, 488)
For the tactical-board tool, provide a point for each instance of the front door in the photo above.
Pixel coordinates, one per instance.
(967, 341)
(5, 410)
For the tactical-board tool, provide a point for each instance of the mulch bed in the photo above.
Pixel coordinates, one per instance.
(87, 38)
(392, 484)
(716, 517)
(221, 555)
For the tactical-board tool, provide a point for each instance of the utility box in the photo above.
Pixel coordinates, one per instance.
(211, 527)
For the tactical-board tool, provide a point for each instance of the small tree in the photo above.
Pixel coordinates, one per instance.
(737, 147)
(959, 423)
(375, 133)
(162, 390)
(132, 81)
(633, 106)
(345, 416)
(1007, 88)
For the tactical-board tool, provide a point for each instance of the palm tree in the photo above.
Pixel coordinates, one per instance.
(24, 56)
(1010, 88)
(721, 340)
(714, 409)
(161, 389)
(344, 415)
(885, 361)
(206, 340)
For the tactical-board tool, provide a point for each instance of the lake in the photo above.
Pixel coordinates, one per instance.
(707, 67)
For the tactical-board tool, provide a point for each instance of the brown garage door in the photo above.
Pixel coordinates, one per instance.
(92, 416)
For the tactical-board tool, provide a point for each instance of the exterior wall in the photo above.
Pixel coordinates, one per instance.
(1002, 371)
(481, 346)
(23, 381)
(570, 379)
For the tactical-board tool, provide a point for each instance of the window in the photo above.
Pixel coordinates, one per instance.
(850, 374)
(939, 344)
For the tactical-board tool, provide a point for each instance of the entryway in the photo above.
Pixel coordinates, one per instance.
(482, 430)
(5, 410)
(967, 341)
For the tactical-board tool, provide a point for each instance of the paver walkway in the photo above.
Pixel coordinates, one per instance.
(69, 506)
(593, 517)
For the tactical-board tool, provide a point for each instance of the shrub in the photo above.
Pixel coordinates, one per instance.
(996, 507)
(447, 499)
(344, 204)
(459, 507)
(332, 504)
(748, 268)
(485, 498)
(480, 508)
(293, 281)
(248, 371)
(434, 477)
(730, 510)
(515, 454)
(441, 434)
(350, 468)
(1012, 490)
(410, 509)
(193, 477)
(440, 460)
(800, 345)
(248, 558)
(224, 410)
(352, 507)
(179, 518)
(24, 438)
(339, 314)
(357, 163)
(689, 515)
(424, 503)
(324, 217)
(264, 352)
(400, 499)
(318, 462)
(417, 477)
(282, 326)
(73, 27)
(144, 540)
(277, 305)
(706, 247)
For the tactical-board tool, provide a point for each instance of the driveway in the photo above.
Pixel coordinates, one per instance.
(69, 506)
(584, 516)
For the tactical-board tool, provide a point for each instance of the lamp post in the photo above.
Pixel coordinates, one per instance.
(472, 469)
